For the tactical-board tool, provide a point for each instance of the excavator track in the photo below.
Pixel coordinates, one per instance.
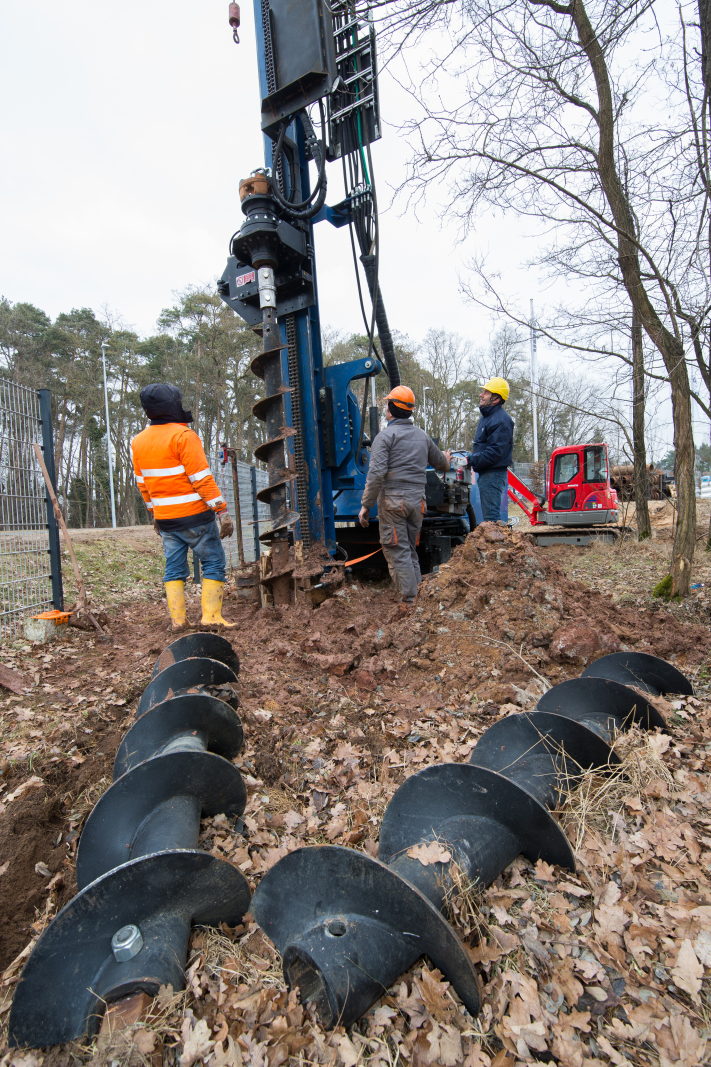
(577, 535)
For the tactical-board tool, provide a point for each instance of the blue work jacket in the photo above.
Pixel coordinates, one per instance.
(493, 444)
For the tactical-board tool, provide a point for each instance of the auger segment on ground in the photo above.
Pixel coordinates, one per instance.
(143, 883)
(348, 925)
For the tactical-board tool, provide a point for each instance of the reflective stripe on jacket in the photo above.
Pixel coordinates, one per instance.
(172, 472)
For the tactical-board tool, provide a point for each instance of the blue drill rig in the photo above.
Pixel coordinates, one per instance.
(318, 60)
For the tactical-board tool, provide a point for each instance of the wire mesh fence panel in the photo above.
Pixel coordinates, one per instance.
(246, 477)
(25, 568)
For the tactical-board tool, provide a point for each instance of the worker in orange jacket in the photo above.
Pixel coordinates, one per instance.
(173, 475)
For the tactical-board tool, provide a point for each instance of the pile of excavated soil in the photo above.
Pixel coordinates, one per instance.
(502, 603)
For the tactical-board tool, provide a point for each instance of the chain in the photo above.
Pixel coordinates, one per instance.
(302, 495)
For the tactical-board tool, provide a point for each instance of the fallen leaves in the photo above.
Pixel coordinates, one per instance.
(196, 1040)
(687, 972)
(31, 783)
(430, 853)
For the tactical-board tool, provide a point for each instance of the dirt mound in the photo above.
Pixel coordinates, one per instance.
(38, 839)
(522, 616)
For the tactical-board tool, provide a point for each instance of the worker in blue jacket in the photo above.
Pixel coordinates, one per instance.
(492, 451)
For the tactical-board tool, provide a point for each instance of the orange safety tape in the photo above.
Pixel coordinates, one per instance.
(351, 562)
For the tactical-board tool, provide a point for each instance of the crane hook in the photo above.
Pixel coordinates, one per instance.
(234, 22)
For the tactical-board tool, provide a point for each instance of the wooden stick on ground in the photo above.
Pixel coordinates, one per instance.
(82, 598)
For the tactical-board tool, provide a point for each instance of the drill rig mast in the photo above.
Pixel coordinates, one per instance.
(314, 56)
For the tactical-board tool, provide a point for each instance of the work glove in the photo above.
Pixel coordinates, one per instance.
(156, 527)
(226, 525)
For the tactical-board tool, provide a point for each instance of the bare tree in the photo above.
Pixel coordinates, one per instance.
(505, 357)
(452, 391)
(541, 120)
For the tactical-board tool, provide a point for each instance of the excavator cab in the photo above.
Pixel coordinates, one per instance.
(579, 490)
(578, 494)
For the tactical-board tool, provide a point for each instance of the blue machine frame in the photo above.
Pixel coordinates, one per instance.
(323, 391)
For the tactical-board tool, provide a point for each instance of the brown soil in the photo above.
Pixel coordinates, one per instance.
(34, 830)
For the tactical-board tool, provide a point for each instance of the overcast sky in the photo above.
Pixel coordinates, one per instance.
(126, 129)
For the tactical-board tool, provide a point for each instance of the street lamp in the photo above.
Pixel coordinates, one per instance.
(534, 386)
(108, 440)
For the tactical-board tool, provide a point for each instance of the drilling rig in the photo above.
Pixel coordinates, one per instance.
(318, 71)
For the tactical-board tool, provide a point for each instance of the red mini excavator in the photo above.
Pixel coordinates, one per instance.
(578, 503)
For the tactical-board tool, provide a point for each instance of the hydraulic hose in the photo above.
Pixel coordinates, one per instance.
(305, 209)
(381, 319)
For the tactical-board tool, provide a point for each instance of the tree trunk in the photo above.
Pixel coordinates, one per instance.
(641, 478)
(669, 344)
(684, 475)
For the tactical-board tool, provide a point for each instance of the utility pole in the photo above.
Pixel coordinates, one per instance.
(534, 387)
(108, 440)
(424, 406)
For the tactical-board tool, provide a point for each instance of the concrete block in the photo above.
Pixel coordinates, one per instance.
(41, 629)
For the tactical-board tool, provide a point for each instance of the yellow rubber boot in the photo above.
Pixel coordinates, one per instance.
(212, 603)
(175, 593)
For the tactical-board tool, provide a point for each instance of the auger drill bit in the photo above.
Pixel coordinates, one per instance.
(143, 883)
(193, 675)
(642, 671)
(203, 644)
(348, 925)
(259, 243)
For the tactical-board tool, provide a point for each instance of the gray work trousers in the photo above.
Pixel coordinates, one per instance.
(400, 514)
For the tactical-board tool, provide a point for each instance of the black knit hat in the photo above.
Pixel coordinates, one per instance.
(398, 412)
(164, 403)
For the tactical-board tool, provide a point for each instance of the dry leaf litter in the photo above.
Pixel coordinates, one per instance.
(607, 965)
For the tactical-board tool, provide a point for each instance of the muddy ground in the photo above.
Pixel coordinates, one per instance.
(339, 705)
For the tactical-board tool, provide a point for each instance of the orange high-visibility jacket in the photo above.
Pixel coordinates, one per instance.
(172, 472)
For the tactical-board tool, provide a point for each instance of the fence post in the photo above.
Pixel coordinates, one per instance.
(45, 403)
(255, 512)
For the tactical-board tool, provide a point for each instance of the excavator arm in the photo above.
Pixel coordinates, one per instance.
(526, 499)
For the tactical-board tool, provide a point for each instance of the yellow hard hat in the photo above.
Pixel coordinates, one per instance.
(499, 386)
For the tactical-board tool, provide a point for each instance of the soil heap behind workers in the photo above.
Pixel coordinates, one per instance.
(396, 477)
(173, 475)
(492, 451)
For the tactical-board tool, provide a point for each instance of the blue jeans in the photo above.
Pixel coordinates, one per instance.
(491, 487)
(205, 543)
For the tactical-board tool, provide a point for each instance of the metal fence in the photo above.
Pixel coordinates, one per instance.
(30, 575)
(250, 481)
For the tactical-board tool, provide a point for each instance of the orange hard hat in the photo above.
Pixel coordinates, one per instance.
(402, 397)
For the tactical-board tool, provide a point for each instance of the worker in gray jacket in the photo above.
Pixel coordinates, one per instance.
(396, 478)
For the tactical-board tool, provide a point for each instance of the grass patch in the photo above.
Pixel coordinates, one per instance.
(114, 572)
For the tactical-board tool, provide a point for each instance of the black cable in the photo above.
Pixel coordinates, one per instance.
(371, 265)
(371, 331)
(304, 209)
(355, 263)
(290, 205)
